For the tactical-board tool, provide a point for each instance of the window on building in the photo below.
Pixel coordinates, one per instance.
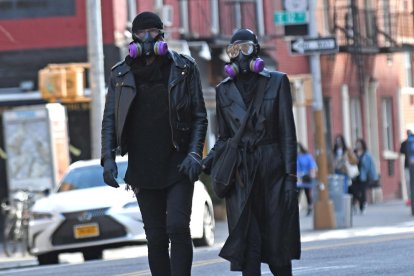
(356, 119)
(22, 9)
(387, 125)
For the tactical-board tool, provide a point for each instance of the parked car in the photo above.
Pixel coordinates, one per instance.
(85, 215)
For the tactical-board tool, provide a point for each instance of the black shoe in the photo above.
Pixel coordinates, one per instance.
(309, 212)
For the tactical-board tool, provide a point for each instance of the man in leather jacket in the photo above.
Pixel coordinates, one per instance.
(155, 112)
(262, 205)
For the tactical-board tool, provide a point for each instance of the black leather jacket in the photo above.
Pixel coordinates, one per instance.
(188, 117)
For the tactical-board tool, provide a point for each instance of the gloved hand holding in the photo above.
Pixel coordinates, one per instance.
(191, 166)
(206, 164)
(110, 173)
(291, 193)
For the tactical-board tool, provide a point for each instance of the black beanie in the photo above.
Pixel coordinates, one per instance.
(244, 34)
(146, 20)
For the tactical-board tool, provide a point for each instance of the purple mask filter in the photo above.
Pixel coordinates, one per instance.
(257, 65)
(135, 49)
(231, 69)
(160, 48)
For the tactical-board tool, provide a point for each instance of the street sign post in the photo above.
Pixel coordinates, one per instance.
(410, 152)
(307, 46)
(290, 17)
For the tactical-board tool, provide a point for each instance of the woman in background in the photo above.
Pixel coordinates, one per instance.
(342, 155)
(367, 172)
(306, 172)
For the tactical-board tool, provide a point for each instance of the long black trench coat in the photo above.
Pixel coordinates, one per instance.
(267, 156)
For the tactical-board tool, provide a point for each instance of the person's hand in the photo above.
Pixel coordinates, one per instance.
(191, 166)
(291, 193)
(206, 164)
(291, 200)
(110, 173)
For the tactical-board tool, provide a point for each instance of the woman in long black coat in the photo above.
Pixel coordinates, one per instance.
(262, 207)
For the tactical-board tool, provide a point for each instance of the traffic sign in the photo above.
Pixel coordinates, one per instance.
(307, 46)
(290, 17)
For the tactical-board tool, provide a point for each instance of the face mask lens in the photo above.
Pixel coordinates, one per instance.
(232, 51)
(246, 48)
(143, 34)
(154, 32)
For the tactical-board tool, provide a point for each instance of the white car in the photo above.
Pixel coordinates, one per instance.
(85, 215)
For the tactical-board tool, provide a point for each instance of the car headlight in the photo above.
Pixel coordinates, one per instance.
(40, 215)
(132, 204)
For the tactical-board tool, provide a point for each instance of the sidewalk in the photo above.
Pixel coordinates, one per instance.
(379, 216)
(379, 219)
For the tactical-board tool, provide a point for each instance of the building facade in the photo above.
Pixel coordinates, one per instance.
(365, 85)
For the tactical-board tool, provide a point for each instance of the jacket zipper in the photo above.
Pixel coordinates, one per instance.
(171, 85)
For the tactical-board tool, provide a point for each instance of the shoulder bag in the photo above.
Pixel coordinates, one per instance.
(225, 158)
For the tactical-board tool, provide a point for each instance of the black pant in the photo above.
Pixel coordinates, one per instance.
(253, 253)
(359, 193)
(308, 194)
(166, 215)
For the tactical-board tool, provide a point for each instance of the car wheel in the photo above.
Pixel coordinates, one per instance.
(208, 228)
(92, 254)
(48, 258)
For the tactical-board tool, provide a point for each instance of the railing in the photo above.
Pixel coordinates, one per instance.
(370, 30)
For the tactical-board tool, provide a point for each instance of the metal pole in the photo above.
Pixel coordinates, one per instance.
(260, 18)
(324, 212)
(96, 73)
(410, 151)
(411, 168)
(132, 10)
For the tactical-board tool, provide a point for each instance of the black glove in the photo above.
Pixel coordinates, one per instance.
(291, 193)
(206, 164)
(110, 173)
(191, 166)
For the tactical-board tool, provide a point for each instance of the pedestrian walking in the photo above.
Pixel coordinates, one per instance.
(344, 161)
(367, 173)
(155, 112)
(306, 172)
(262, 203)
(404, 151)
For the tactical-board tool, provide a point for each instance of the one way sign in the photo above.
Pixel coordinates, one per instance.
(307, 46)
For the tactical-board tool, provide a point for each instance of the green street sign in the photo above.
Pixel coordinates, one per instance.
(290, 18)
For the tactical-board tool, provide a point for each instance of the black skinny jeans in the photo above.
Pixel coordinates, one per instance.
(166, 215)
(360, 194)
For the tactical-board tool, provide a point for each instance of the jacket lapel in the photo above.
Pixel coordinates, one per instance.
(233, 94)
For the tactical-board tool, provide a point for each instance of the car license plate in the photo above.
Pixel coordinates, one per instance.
(86, 230)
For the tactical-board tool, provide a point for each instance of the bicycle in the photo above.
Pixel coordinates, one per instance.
(17, 215)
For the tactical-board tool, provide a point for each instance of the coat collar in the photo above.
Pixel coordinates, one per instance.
(121, 68)
(264, 73)
(233, 93)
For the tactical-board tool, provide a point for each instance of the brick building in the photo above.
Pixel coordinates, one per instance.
(361, 83)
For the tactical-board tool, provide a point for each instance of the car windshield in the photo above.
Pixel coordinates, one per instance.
(87, 177)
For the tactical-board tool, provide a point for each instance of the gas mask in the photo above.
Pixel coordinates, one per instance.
(243, 57)
(146, 44)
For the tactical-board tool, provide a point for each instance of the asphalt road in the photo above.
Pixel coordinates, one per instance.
(386, 251)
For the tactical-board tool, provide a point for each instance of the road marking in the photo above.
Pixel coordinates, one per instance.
(370, 241)
(195, 264)
(306, 270)
(407, 227)
(306, 248)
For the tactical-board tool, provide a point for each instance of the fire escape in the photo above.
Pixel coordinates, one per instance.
(384, 28)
